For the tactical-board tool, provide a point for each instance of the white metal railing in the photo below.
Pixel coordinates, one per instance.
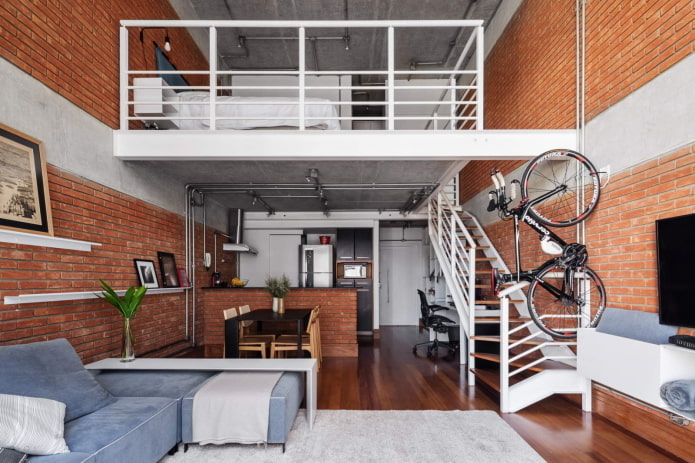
(455, 250)
(459, 104)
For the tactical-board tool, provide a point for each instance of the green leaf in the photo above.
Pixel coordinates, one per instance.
(129, 304)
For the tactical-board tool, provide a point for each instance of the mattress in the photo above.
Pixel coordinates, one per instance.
(254, 112)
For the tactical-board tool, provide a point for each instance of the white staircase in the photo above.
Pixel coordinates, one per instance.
(532, 365)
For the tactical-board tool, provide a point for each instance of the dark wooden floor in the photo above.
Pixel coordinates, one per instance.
(387, 376)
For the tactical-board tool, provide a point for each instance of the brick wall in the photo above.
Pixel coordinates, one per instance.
(338, 315)
(72, 46)
(530, 73)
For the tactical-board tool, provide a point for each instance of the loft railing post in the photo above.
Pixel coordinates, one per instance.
(452, 99)
(124, 78)
(391, 77)
(302, 75)
(480, 64)
(213, 78)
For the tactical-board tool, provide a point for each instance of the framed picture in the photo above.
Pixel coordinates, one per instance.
(167, 267)
(146, 273)
(183, 277)
(24, 201)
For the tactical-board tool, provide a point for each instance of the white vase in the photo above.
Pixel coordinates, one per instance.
(276, 304)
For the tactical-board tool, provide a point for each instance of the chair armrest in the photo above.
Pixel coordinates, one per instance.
(437, 307)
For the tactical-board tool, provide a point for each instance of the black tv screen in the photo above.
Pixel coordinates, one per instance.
(675, 250)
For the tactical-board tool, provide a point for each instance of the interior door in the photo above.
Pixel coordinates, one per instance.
(283, 256)
(401, 274)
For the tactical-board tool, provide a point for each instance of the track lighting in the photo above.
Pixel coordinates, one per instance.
(346, 39)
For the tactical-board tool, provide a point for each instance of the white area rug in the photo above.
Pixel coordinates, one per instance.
(382, 436)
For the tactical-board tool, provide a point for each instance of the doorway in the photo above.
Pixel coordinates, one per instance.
(401, 273)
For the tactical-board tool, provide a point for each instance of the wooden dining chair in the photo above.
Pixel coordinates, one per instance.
(246, 344)
(310, 340)
(245, 329)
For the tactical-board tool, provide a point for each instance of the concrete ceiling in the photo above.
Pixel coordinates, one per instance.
(366, 51)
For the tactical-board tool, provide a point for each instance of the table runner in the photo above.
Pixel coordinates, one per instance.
(233, 407)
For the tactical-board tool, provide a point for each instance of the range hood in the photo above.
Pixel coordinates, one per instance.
(236, 233)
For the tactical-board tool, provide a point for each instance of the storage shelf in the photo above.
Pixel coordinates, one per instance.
(53, 297)
(9, 236)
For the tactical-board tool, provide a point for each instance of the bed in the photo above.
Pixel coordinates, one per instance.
(162, 108)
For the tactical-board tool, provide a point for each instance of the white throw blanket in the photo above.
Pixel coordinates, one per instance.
(233, 408)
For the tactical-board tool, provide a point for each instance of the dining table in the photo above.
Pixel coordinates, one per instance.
(299, 317)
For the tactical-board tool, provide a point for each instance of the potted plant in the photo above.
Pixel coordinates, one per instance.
(128, 306)
(278, 287)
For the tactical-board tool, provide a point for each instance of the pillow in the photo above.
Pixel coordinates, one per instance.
(52, 370)
(32, 425)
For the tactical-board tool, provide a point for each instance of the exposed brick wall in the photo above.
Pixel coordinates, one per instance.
(72, 46)
(530, 73)
(338, 314)
(127, 228)
(629, 43)
(621, 233)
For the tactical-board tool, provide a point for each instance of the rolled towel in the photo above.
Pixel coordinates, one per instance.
(679, 394)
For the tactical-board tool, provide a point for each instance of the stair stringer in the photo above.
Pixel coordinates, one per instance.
(542, 385)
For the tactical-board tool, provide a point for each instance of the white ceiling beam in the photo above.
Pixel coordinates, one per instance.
(406, 145)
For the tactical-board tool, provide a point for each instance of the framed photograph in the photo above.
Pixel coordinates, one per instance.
(146, 273)
(167, 267)
(24, 201)
(183, 277)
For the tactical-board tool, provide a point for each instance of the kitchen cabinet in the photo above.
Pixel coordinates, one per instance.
(365, 301)
(354, 244)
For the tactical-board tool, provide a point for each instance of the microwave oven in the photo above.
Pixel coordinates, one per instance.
(354, 270)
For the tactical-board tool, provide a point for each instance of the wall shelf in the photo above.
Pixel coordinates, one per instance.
(9, 236)
(53, 297)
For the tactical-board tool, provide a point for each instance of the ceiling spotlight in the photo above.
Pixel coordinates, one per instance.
(346, 39)
(242, 42)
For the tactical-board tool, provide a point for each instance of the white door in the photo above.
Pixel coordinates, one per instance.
(401, 274)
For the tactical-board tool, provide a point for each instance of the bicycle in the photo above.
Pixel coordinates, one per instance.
(564, 293)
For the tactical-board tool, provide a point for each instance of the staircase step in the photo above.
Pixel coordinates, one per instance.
(497, 301)
(490, 338)
(542, 366)
(491, 378)
(497, 319)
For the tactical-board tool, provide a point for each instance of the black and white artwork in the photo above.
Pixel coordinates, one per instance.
(24, 200)
(146, 273)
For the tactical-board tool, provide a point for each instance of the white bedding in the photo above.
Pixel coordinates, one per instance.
(254, 115)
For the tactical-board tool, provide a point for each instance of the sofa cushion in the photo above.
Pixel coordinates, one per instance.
(52, 370)
(32, 425)
(635, 324)
(172, 384)
(132, 429)
(72, 457)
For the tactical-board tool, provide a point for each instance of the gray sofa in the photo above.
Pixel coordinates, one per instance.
(122, 416)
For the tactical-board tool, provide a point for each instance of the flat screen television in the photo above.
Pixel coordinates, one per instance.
(675, 250)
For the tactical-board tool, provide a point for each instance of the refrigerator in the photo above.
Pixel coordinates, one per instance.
(316, 266)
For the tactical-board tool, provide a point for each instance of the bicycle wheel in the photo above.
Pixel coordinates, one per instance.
(568, 184)
(558, 309)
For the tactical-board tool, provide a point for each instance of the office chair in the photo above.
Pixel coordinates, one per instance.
(437, 323)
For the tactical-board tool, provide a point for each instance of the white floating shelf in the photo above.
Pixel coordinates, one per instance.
(9, 236)
(53, 297)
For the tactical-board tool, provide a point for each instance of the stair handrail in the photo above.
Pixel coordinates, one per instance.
(461, 255)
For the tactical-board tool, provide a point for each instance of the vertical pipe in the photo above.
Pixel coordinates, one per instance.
(480, 65)
(452, 99)
(471, 312)
(124, 77)
(213, 78)
(302, 76)
(391, 77)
